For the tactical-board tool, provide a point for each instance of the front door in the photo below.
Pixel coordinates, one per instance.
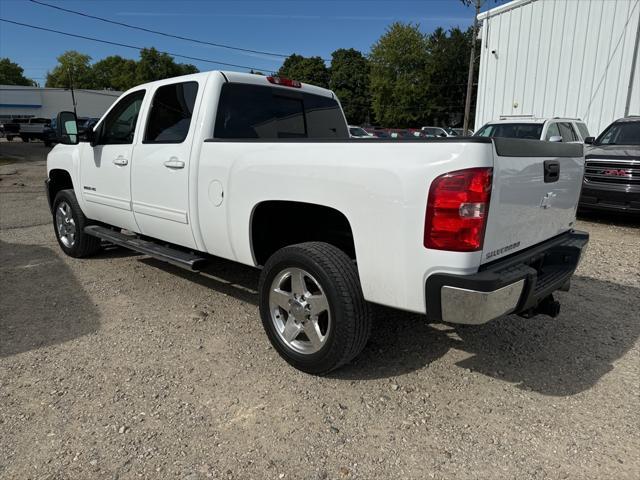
(160, 169)
(105, 168)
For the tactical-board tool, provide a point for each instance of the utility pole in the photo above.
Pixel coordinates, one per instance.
(472, 64)
(634, 62)
(73, 96)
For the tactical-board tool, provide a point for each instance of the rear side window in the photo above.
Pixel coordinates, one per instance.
(171, 112)
(567, 132)
(262, 112)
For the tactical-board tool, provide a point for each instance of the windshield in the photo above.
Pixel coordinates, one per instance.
(531, 131)
(623, 133)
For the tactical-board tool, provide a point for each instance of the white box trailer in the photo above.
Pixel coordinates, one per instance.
(560, 58)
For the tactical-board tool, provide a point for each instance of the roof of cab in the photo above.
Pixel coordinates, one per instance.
(529, 119)
(236, 77)
(251, 78)
(233, 77)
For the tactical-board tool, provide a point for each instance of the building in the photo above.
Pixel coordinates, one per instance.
(16, 101)
(560, 58)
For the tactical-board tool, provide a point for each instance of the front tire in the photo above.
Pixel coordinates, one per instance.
(69, 223)
(312, 307)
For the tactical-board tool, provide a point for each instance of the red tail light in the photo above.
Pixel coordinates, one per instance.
(457, 210)
(285, 82)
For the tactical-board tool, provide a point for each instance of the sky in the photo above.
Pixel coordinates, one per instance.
(306, 27)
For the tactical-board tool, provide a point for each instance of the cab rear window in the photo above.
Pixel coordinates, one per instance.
(262, 112)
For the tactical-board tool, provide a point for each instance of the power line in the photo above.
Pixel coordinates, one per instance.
(109, 42)
(156, 32)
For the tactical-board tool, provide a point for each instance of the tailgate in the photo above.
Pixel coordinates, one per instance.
(535, 192)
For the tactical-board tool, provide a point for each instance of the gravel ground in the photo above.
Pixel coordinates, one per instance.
(122, 367)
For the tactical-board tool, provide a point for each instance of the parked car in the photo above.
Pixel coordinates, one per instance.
(359, 132)
(463, 230)
(568, 130)
(379, 132)
(12, 128)
(400, 133)
(459, 132)
(49, 133)
(612, 169)
(418, 133)
(26, 128)
(436, 132)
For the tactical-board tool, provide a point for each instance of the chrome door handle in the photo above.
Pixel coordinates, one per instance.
(174, 163)
(121, 161)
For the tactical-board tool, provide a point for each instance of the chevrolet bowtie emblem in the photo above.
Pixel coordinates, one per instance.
(546, 200)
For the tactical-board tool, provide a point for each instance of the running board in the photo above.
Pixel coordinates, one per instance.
(170, 255)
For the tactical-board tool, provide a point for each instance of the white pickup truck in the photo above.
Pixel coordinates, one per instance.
(261, 170)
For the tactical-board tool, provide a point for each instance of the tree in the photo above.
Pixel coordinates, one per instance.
(349, 79)
(72, 67)
(305, 69)
(114, 73)
(13, 74)
(399, 80)
(154, 65)
(447, 70)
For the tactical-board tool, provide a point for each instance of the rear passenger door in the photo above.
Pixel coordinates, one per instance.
(161, 163)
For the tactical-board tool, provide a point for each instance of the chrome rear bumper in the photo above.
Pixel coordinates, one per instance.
(521, 283)
(460, 305)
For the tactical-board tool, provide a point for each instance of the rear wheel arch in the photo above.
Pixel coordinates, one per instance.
(275, 224)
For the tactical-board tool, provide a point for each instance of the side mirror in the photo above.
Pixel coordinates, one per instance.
(590, 140)
(67, 128)
(88, 136)
(556, 138)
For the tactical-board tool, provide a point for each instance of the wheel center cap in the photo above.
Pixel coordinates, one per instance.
(298, 310)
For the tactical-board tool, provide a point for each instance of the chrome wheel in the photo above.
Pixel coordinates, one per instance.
(65, 224)
(299, 311)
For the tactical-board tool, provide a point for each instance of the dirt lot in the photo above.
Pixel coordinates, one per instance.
(123, 367)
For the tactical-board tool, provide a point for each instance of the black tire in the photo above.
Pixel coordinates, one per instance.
(337, 275)
(83, 245)
(24, 138)
(9, 138)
